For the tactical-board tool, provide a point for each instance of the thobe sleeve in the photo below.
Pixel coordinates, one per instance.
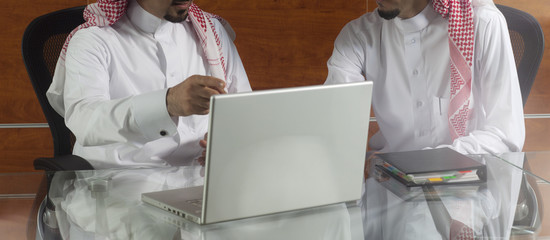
(91, 114)
(346, 62)
(498, 123)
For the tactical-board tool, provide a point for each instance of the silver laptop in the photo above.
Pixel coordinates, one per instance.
(278, 150)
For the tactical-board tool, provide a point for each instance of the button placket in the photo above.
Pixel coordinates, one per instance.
(170, 56)
(418, 84)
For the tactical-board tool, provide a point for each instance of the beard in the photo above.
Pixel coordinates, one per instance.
(180, 17)
(176, 13)
(389, 15)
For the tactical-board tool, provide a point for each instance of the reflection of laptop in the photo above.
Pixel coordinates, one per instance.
(278, 150)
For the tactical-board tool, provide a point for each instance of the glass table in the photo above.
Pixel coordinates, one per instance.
(509, 205)
(18, 194)
(106, 204)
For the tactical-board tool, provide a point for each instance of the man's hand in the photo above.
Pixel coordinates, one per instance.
(192, 96)
(368, 161)
(202, 143)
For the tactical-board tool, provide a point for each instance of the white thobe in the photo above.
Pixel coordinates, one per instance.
(116, 84)
(408, 61)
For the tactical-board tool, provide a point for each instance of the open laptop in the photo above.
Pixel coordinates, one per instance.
(278, 150)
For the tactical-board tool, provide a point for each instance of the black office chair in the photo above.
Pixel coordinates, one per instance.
(528, 46)
(41, 45)
(527, 43)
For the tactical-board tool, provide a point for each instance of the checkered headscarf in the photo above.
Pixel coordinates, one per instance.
(461, 45)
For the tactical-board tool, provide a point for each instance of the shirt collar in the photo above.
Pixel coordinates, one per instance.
(142, 19)
(418, 22)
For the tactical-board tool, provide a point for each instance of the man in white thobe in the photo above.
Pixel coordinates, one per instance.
(407, 58)
(135, 91)
(404, 47)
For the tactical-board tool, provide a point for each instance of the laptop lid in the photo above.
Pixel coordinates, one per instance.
(285, 149)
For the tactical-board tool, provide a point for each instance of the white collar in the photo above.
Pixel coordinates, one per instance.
(418, 22)
(142, 19)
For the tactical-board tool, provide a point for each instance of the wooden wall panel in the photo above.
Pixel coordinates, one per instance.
(15, 217)
(285, 43)
(20, 146)
(18, 213)
(536, 135)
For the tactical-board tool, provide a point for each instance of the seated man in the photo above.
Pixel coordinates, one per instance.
(443, 73)
(134, 82)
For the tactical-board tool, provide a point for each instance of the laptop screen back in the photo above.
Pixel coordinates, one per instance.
(280, 150)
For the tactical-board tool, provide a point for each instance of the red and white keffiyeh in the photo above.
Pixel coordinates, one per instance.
(460, 231)
(461, 45)
(102, 13)
(210, 41)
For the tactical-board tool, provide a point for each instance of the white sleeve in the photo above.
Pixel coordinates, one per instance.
(498, 112)
(92, 115)
(346, 62)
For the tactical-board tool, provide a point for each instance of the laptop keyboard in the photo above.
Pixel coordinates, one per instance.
(195, 202)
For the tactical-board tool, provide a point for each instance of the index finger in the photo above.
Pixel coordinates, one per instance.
(213, 83)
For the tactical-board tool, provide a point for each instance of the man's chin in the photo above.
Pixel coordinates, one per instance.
(389, 14)
(176, 19)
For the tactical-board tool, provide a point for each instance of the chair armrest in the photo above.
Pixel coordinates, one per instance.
(62, 163)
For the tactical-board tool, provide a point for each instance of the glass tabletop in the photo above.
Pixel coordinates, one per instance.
(536, 166)
(509, 205)
(535, 163)
(106, 204)
(18, 192)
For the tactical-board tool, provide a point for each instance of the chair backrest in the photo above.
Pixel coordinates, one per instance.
(42, 43)
(527, 43)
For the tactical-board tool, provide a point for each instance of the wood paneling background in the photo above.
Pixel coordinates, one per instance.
(282, 43)
(285, 43)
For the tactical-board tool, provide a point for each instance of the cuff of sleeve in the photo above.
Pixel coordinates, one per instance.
(151, 115)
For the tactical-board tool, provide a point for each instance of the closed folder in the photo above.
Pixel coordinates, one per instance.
(432, 167)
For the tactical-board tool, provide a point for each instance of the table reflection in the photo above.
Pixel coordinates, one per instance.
(106, 205)
(492, 210)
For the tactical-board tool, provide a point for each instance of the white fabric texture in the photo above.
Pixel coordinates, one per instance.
(115, 92)
(408, 59)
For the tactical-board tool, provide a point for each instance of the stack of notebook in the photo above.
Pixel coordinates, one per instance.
(403, 173)
(432, 167)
